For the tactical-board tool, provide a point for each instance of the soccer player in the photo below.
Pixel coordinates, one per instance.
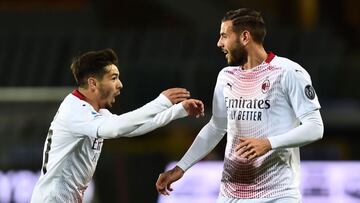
(268, 108)
(75, 138)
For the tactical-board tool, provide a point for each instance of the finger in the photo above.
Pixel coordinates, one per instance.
(240, 151)
(241, 145)
(200, 107)
(176, 89)
(181, 94)
(246, 153)
(243, 139)
(253, 156)
(160, 187)
(179, 98)
(180, 91)
(176, 95)
(195, 108)
(193, 104)
(171, 91)
(169, 188)
(162, 191)
(166, 192)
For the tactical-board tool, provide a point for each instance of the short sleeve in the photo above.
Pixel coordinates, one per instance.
(301, 94)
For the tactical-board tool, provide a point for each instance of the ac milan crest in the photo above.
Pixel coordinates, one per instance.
(265, 86)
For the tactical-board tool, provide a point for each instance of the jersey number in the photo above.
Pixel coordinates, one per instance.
(48, 146)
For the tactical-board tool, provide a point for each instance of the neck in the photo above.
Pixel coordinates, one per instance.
(256, 55)
(89, 98)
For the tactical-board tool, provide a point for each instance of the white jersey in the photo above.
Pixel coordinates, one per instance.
(262, 102)
(75, 138)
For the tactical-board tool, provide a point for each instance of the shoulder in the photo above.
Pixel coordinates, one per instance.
(75, 109)
(290, 68)
(105, 112)
(285, 63)
(226, 75)
(228, 71)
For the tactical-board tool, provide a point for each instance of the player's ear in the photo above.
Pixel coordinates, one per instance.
(245, 37)
(92, 82)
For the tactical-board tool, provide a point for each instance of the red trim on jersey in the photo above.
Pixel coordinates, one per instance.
(78, 94)
(270, 57)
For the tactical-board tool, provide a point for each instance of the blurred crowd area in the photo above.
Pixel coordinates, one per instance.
(164, 44)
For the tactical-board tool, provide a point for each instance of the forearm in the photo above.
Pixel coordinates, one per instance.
(310, 130)
(209, 136)
(120, 125)
(159, 120)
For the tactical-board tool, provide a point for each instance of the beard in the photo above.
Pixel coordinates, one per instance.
(104, 95)
(238, 55)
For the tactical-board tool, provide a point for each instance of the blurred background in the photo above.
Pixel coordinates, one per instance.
(162, 44)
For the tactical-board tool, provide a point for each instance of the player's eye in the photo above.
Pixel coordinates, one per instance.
(223, 36)
(114, 77)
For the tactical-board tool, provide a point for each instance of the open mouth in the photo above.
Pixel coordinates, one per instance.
(225, 52)
(115, 95)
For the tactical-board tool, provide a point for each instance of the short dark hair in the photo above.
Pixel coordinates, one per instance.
(247, 19)
(92, 63)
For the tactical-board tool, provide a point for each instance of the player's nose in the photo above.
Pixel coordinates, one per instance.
(219, 43)
(120, 85)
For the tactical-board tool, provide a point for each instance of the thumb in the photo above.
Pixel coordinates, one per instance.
(169, 187)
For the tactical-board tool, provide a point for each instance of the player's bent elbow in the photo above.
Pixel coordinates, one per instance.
(318, 131)
(321, 133)
(107, 133)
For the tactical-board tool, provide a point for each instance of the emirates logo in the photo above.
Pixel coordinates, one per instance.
(265, 86)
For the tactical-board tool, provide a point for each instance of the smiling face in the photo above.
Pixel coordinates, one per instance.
(229, 42)
(108, 87)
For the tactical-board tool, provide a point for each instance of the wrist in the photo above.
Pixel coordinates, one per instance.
(164, 100)
(178, 170)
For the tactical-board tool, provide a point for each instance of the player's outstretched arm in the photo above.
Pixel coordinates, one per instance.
(163, 184)
(155, 114)
(118, 125)
(189, 107)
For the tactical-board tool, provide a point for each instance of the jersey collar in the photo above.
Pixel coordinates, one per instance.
(270, 57)
(78, 94)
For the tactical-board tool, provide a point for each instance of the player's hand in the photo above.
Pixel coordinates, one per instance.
(163, 184)
(176, 95)
(193, 107)
(251, 148)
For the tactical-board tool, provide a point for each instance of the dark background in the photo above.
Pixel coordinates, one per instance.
(163, 44)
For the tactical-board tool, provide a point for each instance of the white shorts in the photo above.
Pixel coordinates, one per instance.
(222, 199)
